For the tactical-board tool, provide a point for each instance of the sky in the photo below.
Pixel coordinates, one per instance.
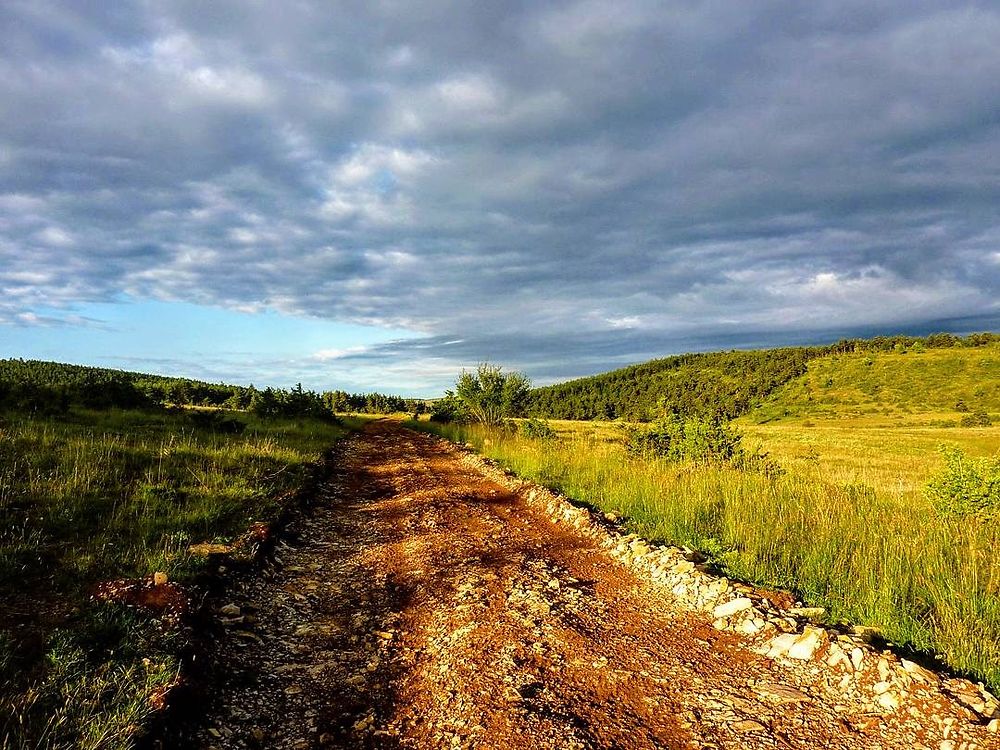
(374, 195)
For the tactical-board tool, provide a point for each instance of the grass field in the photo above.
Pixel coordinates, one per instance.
(915, 387)
(104, 495)
(847, 526)
(899, 459)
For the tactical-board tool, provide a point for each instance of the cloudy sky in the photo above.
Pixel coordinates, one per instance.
(377, 193)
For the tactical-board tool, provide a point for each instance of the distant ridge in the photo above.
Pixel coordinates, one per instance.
(40, 386)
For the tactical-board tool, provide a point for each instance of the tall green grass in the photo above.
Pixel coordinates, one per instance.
(102, 495)
(867, 554)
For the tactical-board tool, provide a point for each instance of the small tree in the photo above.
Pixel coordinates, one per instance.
(448, 409)
(491, 395)
(967, 486)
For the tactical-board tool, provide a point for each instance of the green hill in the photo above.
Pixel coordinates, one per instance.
(909, 381)
(886, 372)
(726, 382)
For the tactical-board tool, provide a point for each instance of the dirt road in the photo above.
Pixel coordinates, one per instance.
(425, 605)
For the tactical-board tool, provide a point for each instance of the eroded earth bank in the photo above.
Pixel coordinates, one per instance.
(427, 602)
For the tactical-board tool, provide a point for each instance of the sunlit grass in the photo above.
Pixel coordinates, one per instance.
(848, 529)
(102, 495)
(915, 387)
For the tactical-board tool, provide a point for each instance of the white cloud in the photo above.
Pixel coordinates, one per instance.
(179, 57)
(328, 355)
(55, 237)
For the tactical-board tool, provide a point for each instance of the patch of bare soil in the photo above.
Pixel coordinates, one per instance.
(425, 605)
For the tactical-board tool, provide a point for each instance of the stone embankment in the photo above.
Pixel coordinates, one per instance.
(854, 675)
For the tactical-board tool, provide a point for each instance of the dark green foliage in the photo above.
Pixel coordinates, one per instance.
(94, 686)
(216, 421)
(538, 429)
(491, 395)
(709, 439)
(372, 403)
(296, 402)
(976, 419)
(724, 383)
(449, 409)
(967, 486)
(48, 388)
(699, 385)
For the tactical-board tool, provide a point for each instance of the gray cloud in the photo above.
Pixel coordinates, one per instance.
(565, 185)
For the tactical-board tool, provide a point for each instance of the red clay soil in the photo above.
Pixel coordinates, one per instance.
(426, 606)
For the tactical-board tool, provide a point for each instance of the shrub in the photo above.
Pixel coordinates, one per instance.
(537, 428)
(448, 409)
(491, 395)
(977, 419)
(696, 439)
(967, 486)
(217, 422)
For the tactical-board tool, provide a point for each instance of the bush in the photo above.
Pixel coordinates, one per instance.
(977, 419)
(448, 409)
(491, 395)
(697, 439)
(538, 429)
(217, 422)
(967, 486)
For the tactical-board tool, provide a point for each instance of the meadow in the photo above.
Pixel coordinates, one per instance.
(90, 496)
(846, 525)
(914, 386)
(899, 458)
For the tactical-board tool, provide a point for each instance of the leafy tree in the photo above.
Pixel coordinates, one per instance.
(491, 395)
(967, 486)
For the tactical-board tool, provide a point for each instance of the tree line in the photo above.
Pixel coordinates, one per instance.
(38, 387)
(723, 384)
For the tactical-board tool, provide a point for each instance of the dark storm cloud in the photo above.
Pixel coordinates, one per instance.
(565, 185)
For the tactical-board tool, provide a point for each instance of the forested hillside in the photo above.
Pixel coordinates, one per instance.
(725, 383)
(52, 387)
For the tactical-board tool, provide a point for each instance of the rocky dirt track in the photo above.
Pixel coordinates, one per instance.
(426, 603)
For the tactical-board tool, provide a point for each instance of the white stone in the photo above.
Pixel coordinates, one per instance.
(810, 613)
(917, 672)
(781, 644)
(838, 657)
(858, 658)
(807, 644)
(888, 701)
(730, 608)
